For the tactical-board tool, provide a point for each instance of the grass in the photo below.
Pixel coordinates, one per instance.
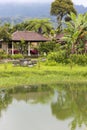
(13, 76)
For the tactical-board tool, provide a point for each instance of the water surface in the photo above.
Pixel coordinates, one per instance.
(55, 109)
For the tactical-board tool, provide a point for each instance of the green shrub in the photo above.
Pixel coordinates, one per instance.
(3, 54)
(50, 63)
(47, 47)
(17, 56)
(79, 59)
(59, 56)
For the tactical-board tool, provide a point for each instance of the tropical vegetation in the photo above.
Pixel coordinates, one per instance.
(43, 26)
(73, 52)
(60, 9)
(76, 33)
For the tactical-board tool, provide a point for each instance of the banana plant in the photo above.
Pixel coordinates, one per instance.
(75, 31)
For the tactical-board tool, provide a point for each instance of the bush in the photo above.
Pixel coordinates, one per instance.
(17, 56)
(47, 47)
(59, 56)
(3, 54)
(79, 59)
(51, 63)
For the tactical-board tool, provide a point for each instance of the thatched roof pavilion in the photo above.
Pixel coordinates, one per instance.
(28, 36)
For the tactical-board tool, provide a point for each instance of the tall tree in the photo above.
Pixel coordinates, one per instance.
(61, 8)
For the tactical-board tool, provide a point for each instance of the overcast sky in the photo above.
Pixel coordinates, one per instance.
(79, 2)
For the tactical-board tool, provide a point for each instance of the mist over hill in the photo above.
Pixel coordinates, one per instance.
(16, 13)
(80, 9)
(29, 10)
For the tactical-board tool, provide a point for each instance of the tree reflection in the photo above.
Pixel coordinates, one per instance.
(71, 104)
(41, 94)
(33, 95)
(5, 100)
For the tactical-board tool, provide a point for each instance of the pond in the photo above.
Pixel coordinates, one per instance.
(43, 108)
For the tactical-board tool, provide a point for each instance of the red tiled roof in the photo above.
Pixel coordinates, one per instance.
(28, 36)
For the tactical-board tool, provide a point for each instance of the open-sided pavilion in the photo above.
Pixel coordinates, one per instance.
(27, 36)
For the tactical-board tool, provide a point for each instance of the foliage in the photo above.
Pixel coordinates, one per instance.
(5, 32)
(19, 26)
(16, 56)
(3, 54)
(76, 32)
(47, 47)
(51, 63)
(42, 26)
(58, 47)
(61, 8)
(59, 56)
(79, 59)
(22, 47)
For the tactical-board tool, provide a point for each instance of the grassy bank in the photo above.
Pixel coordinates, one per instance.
(13, 76)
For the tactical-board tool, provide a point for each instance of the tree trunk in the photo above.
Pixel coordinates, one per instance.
(59, 19)
(73, 49)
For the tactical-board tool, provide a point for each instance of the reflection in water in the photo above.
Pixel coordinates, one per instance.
(35, 94)
(40, 106)
(71, 104)
(41, 94)
(5, 100)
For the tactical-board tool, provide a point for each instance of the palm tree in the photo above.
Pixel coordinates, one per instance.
(42, 26)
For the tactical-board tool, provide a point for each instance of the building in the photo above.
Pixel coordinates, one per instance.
(27, 36)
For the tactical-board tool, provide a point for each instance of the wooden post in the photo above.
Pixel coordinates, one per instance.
(29, 49)
(12, 49)
(7, 48)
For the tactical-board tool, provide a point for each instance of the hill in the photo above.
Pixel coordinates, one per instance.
(19, 12)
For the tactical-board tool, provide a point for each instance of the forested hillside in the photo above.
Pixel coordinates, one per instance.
(19, 12)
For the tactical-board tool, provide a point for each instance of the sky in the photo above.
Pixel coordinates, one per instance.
(78, 2)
